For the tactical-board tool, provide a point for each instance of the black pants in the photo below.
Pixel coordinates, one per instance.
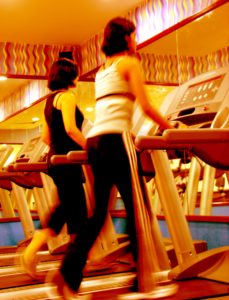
(110, 166)
(72, 208)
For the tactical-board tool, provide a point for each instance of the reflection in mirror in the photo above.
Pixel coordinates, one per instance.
(195, 57)
(16, 96)
(195, 48)
(160, 61)
(30, 111)
(203, 44)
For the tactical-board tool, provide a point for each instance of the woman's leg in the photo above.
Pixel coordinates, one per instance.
(77, 253)
(71, 209)
(76, 257)
(123, 181)
(28, 259)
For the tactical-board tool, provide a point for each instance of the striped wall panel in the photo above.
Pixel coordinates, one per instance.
(151, 17)
(30, 60)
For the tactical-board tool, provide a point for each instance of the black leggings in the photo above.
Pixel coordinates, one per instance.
(110, 165)
(72, 208)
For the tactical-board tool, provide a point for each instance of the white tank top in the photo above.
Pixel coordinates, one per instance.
(114, 105)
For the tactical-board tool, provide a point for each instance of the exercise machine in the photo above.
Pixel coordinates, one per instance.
(195, 104)
(6, 205)
(210, 145)
(17, 182)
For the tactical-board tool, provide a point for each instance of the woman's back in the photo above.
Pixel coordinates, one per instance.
(60, 142)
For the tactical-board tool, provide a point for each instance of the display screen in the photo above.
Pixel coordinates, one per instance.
(32, 144)
(204, 91)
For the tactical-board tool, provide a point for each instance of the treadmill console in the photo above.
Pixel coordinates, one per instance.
(199, 99)
(28, 149)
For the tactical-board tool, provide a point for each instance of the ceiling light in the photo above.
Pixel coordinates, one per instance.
(89, 109)
(35, 119)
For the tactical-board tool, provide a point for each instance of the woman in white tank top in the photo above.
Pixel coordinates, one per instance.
(118, 84)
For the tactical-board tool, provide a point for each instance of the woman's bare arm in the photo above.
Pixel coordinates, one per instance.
(67, 104)
(45, 133)
(130, 68)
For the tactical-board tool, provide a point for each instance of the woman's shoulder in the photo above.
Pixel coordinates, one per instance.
(128, 60)
(127, 63)
(64, 96)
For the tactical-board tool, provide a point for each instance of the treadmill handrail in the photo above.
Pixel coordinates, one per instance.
(80, 157)
(29, 167)
(27, 180)
(194, 136)
(59, 159)
(72, 157)
(210, 145)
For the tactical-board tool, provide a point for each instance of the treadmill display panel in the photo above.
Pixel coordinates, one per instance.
(201, 92)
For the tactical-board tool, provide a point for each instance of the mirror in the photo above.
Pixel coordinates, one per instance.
(31, 108)
(199, 44)
(196, 48)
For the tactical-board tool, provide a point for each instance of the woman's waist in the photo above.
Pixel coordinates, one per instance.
(112, 127)
(113, 95)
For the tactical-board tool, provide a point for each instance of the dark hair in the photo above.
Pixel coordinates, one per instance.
(66, 54)
(62, 74)
(114, 40)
